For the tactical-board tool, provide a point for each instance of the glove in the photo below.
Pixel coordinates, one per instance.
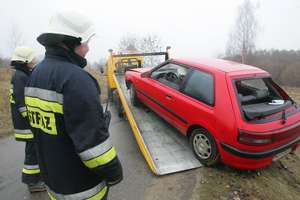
(114, 174)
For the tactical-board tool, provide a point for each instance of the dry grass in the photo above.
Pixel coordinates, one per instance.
(5, 115)
(294, 92)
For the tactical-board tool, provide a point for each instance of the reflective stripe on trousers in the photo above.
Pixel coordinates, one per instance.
(31, 169)
(95, 193)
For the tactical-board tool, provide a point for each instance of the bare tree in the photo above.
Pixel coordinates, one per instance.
(151, 43)
(145, 44)
(16, 37)
(128, 42)
(242, 38)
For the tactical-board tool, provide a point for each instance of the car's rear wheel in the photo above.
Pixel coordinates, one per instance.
(204, 147)
(133, 97)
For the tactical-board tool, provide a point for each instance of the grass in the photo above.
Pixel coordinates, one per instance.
(5, 115)
(294, 92)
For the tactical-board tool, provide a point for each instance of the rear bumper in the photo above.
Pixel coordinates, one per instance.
(259, 155)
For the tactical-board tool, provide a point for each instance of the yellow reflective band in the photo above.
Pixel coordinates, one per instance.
(51, 196)
(11, 98)
(99, 195)
(44, 105)
(31, 171)
(23, 136)
(102, 159)
(24, 114)
(42, 120)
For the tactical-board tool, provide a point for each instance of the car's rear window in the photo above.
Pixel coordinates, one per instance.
(257, 90)
(259, 97)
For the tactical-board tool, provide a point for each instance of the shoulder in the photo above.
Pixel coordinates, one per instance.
(78, 74)
(80, 79)
(20, 76)
(20, 73)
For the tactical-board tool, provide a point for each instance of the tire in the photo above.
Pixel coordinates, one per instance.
(204, 147)
(133, 98)
(119, 107)
(110, 94)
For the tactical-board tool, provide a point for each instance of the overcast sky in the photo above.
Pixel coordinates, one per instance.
(193, 28)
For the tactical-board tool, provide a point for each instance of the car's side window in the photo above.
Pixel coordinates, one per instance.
(200, 86)
(171, 75)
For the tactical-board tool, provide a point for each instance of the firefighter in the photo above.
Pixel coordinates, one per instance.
(23, 60)
(77, 158)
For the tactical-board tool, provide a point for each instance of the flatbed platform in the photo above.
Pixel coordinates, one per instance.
(164, 148)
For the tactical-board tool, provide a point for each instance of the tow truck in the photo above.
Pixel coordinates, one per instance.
(163, 147)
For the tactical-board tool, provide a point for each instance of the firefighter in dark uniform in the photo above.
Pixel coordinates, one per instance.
(77, 158)
(23, 60)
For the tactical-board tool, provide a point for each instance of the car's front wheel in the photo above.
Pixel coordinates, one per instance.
(133, 97)
(204, 147)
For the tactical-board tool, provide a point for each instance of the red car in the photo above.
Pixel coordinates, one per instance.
(230, 112)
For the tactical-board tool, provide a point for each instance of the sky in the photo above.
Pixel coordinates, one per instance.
(193, 28)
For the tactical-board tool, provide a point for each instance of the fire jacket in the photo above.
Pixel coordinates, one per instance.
(18, 110)
(76, 156)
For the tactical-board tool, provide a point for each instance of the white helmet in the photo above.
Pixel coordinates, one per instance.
(24, 54)
(73, 24)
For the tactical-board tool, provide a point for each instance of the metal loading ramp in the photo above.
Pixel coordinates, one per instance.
(165, 149)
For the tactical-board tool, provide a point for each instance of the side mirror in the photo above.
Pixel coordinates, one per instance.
(146, 74)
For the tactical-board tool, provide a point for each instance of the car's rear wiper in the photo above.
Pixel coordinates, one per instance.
(294, 103)
(284, 117)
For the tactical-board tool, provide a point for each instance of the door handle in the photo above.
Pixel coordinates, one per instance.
(169, 96)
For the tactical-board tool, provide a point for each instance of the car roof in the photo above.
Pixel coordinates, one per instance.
(218, 65)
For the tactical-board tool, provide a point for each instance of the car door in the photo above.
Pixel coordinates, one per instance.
(196, 103)
(159, 89)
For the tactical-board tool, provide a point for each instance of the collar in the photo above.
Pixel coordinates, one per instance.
(66, 54)
(22, 67)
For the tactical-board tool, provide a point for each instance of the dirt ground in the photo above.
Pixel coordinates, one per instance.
(280, 181)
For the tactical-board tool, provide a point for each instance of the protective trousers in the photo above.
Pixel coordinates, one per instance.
(31, 171)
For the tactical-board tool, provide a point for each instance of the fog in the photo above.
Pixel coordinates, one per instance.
(192, 28)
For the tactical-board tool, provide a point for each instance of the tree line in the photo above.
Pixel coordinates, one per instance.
(283, 65)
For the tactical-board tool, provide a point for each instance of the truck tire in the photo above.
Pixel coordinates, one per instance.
(117, 102)
(119, 107)
(204, 147)
(133, 98)
(110, 94)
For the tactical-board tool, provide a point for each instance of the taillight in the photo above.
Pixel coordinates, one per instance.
(262, 138)
(252, 138)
